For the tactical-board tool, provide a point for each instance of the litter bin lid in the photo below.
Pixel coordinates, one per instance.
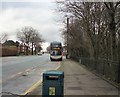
(53, 72)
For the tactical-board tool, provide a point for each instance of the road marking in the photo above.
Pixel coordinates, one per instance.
(28, 70)
(33, 87)
(15, 75)
(57, 67)
(12, 76)
(19, 73)
(36, 85)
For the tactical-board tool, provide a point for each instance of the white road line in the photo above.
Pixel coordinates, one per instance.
(36, 84)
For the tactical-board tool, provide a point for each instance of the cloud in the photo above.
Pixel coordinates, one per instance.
(45, 5)
(40, 1)
(16, 15)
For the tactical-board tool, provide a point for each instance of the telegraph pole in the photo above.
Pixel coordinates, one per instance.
(67, 38)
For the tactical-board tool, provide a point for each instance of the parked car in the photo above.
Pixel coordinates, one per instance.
(39, 53)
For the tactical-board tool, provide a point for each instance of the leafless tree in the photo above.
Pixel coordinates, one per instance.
(95, 31)
(99, 23)
(113, 11)
(36, 41)
(29, 36)
(3, 37)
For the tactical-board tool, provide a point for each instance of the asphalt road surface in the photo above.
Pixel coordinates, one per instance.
(20, 73)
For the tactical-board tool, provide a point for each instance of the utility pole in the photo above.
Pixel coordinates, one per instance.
(67, 38)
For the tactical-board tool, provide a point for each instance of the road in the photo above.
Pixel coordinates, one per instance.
(20, 73)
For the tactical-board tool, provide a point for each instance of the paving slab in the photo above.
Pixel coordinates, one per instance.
(80, 81)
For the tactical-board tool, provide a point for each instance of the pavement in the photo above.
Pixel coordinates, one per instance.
(80, 81)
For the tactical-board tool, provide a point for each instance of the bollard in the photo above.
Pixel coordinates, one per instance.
(53, 84)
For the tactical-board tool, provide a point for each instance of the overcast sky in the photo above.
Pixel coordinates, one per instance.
(40, 15)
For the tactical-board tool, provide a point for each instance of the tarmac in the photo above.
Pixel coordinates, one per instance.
(78, 80)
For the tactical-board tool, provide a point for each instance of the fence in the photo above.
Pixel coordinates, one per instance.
(107, 68)
(8, 51)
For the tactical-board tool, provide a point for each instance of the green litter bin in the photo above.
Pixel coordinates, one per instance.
(53, 83)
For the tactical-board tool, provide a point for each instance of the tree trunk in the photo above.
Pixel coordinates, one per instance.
(32, 48)
(113, 40)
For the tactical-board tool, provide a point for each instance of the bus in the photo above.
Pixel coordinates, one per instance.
(55, 51)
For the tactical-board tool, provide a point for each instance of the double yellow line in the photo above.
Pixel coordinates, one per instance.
(35, 85)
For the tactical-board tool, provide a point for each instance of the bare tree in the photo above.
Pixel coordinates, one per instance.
(114, 20)
(99, 21)
(89, 17)
(36, 41)
(3, 37)
(96, 34)
(29, 36)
